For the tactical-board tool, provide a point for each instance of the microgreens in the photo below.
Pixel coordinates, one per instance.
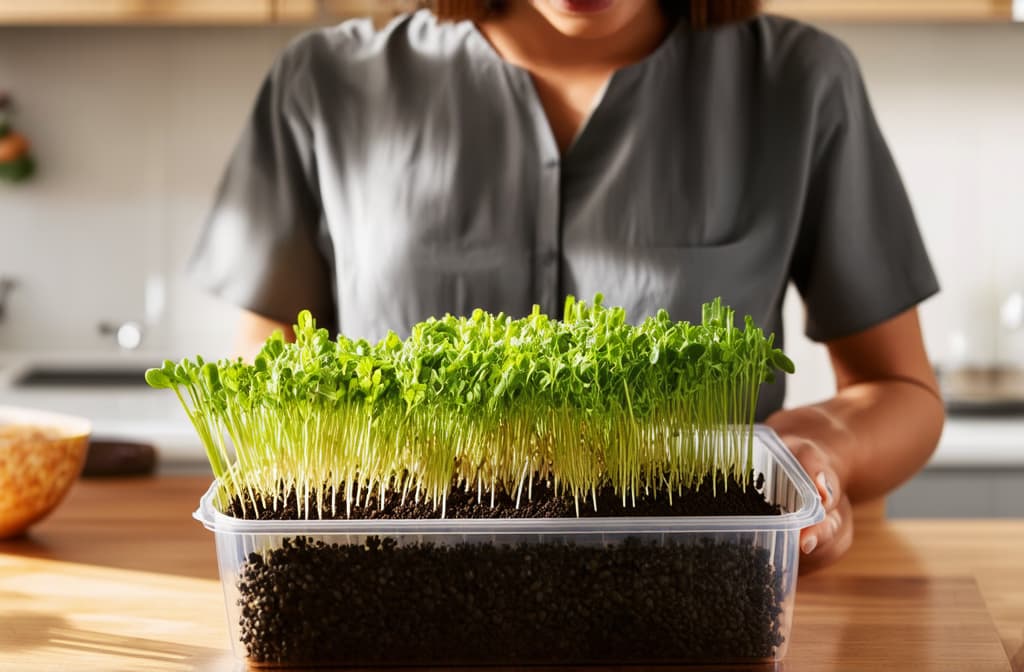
(486, 402)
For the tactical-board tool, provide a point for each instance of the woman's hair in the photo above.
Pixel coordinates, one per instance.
(699, 14)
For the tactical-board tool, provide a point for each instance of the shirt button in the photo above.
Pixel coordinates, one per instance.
(551, 164)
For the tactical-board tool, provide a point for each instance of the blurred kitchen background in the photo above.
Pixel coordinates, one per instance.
(132, 107)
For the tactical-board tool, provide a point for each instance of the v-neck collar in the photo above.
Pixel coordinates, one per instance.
(657, 54)
(619, 76)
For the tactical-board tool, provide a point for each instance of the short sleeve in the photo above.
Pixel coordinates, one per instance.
(860, 258)
(265, 247)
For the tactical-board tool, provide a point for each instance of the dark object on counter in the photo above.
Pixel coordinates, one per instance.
(983, 391)
(45, 376)
(116, 457)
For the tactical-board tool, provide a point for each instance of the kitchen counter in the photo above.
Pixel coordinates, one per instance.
(121, 577)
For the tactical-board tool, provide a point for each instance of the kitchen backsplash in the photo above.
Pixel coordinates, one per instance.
(131, 129)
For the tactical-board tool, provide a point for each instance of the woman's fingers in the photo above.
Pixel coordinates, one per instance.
(826, 553)
(824, 543)
(818, 464)
(822, 534)
(828, 488)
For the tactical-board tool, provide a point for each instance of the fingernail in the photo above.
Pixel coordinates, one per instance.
(809, 544)
(827, 487)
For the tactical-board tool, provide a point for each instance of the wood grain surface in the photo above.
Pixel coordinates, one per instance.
(894, 10)
(121, 578)
(135, 12)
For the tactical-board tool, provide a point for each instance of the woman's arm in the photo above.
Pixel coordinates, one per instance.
(877, 432)
(253, 330)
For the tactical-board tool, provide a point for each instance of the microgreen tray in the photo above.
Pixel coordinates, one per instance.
(526, 591)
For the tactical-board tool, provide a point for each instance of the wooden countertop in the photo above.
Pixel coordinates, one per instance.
(121, 578)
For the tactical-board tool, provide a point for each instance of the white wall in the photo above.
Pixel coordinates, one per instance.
(132, 127)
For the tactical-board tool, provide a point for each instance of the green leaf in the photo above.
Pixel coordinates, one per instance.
(157, 379)
(18, 170)
(782, 362)
(693, 351)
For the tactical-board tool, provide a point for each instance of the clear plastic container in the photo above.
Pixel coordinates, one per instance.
(648, 590)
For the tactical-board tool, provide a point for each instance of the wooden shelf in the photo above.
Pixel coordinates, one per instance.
(136, 12)
(379, 10)
(264, 12)
(295, 11)
(192, 12)
(884, 11)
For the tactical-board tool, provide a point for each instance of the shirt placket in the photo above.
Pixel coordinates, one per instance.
(547, 264)
(549, 238)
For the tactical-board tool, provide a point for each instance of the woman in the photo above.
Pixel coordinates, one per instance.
(660, 153)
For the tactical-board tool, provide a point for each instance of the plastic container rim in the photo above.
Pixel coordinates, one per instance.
(809, 513)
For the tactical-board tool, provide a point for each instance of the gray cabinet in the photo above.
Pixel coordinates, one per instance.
(961, 492)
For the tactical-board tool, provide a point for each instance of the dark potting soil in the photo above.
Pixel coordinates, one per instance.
(725, 497)
(381, 603)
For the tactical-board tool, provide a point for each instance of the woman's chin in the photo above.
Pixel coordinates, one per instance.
(582, 8)
(588, 18)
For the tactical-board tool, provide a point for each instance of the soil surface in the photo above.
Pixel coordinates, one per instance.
(378, 602)
(726, 497)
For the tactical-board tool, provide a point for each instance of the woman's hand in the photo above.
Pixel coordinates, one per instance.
(826, 542)
(876, 432)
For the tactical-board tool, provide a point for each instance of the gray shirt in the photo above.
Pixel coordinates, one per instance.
(388, 176)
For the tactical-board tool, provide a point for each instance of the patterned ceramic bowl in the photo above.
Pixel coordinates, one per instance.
(41, 455)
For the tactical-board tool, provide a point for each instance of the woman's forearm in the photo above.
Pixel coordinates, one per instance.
(880, 433)
(253, 331)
